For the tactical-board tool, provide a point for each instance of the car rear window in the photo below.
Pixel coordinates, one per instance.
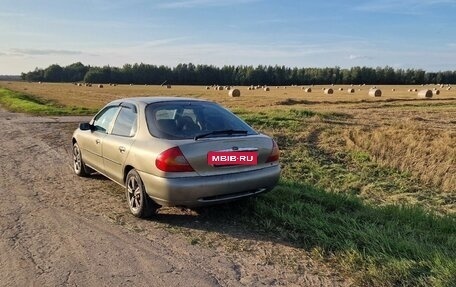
(188, 119)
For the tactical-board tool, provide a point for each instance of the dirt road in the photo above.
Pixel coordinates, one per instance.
(60, 230)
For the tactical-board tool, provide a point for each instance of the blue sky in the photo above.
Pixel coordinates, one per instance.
(401, 34)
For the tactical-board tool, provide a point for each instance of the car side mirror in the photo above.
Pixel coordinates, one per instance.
(85, 126)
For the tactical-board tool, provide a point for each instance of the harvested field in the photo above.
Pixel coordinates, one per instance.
(363, 178)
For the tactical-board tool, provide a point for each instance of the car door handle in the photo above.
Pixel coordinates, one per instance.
(97, 141)
(122, 149)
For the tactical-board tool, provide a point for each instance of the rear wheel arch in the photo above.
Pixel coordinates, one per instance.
(126, 171)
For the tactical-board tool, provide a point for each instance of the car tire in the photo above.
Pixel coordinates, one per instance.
(139, 202)
(79, 166)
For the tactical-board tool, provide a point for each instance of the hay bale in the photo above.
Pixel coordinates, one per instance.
(449, 88)
(351, 91)
(393, 90)
(208, 88)
(100, 86)
(79, 85)
(341, 89)
(168, 86)
(415, 90)
(228, 88)
(425, 94)
(436, 92)
(375, 93)
(234, 93)
(409, 90)
(308, 90)
(329, 91)
(266, 89)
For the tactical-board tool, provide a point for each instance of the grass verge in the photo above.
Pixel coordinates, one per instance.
(377, 245)
(19, 102)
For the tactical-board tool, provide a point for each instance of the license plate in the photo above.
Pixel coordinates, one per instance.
(225, 158)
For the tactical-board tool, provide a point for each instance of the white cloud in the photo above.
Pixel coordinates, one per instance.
(400, 7)
(359, 57)
(200, 3)
(42, 52)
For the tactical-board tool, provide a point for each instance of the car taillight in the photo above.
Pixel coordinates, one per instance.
(275, 153)
(173, 160)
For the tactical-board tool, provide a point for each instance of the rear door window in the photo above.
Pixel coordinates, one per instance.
(126, 122)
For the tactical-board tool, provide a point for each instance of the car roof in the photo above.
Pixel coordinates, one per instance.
(152, 99)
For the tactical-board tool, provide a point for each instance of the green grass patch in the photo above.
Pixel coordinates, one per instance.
(378, 245)
(19, 102)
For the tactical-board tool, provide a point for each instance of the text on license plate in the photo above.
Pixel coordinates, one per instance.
(217, 158)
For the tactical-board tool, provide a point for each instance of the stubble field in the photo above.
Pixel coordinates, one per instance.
(368, 185)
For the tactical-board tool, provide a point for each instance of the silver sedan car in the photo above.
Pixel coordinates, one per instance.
(170, 151)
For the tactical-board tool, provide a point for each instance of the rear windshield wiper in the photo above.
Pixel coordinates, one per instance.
(223, 132)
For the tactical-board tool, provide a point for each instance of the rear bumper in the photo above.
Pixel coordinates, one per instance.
(207, 190)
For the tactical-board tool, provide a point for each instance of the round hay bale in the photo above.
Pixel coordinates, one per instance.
(375, 93)
(424, 94)
(266, 89)
(168, 86)
(308, 90)
(436, 92)
(277, 87)
(79, 85)
(393, 90)
(329, 91)
(40, 82)
(228, 88)
(415, 90)
(234, 93)
(100, 86)
(409, 90)
(341, 89)
(351, 91)
(208, 88)
(449, 88)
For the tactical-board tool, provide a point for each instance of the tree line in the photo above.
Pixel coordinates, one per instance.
(190, 74)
